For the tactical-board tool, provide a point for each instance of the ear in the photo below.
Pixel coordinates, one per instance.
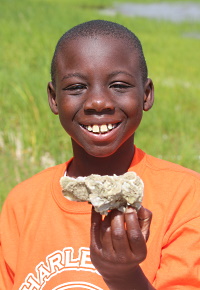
(148, 95)
(52, 98)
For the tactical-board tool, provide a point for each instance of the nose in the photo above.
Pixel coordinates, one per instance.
(99, 101)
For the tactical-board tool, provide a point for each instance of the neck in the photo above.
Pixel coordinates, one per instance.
(85, 164)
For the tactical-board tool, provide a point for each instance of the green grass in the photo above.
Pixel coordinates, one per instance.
(31, 137)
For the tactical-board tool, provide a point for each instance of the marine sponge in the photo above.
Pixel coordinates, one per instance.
(105, 192)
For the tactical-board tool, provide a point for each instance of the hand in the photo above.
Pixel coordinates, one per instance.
(118, 243)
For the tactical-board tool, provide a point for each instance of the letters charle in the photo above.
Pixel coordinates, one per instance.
(56, 263)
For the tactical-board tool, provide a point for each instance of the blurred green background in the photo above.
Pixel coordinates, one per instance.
(31, 137)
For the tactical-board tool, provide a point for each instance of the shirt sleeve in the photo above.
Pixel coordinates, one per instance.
(9, 238)
(180, 261)
(6, 280)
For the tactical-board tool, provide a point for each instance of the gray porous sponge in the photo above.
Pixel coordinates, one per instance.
(105, 192)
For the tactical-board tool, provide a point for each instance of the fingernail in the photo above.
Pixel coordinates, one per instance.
(130, 210)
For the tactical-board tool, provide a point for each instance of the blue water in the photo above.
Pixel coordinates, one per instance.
(175, 12)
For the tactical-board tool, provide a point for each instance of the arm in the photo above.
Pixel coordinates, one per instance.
(118, 246)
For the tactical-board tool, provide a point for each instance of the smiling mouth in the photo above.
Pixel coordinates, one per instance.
(100, 129)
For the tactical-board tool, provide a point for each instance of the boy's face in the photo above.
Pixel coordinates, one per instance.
(99, 93)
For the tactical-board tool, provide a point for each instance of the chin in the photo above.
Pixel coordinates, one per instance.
(101, 153)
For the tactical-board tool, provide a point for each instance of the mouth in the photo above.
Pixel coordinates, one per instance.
(100, 129)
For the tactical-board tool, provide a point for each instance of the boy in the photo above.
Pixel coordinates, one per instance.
(99, 89)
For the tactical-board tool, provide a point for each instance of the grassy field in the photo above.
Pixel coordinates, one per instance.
(31, 137)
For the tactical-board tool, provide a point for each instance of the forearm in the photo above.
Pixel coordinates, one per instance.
(134, 281)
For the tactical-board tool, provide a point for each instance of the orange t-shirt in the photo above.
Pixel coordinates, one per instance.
(45, 238)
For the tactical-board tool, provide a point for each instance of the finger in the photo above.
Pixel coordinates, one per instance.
(135, 236)
(105, 234)
(96, 220)
(118, 231)
(144, 218)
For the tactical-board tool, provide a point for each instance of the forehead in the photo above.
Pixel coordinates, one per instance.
(93, 47)
(97, 57)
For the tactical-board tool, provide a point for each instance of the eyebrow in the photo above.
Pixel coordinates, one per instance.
(71, 75)
(115, 73)
(79, 75)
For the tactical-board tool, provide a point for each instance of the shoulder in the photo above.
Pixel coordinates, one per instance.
(167, 183)
(171, 169)
(40, 178)
(171, 191)
(39, 182)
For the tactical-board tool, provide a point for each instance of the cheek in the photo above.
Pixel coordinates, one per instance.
(65, 116)
(67, 108)
(138, 113)
(135, 113)
(134, 109)
(67, 111)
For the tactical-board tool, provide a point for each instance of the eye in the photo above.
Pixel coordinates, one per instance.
(120, 87)
(75, 89)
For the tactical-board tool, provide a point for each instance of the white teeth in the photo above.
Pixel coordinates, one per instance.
(95, 129)
(100, 129)
(104, 128)
(89, 128)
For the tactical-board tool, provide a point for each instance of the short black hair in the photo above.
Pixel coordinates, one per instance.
(96, 28)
